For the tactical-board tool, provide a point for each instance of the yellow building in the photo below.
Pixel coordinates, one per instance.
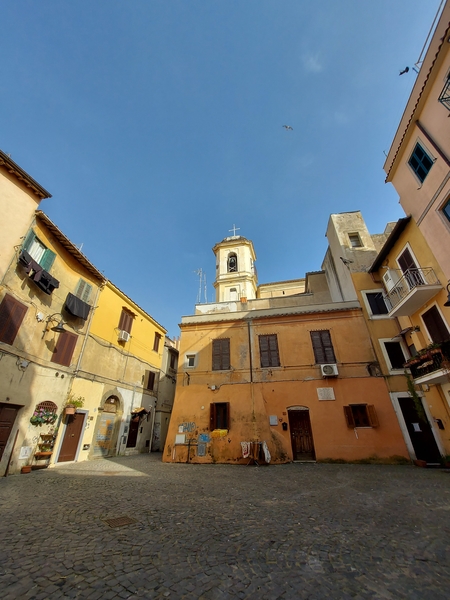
(418, 162)
(282, 374)
(67, 335)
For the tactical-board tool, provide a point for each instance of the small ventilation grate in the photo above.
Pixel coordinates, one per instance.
(120, 521)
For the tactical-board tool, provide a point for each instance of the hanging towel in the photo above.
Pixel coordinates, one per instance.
(245, 449)
(267, 456)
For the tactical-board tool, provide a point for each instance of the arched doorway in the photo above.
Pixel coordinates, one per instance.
(301, 433)
(107, 428)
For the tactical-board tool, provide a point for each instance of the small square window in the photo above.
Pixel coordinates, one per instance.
(360, 415)
(376, 303)
(355, 240)
(190, 360)
(395, 355)
(420, 162)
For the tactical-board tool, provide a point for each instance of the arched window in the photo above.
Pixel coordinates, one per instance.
(232, 263)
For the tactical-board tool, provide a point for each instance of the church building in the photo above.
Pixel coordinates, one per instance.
(278, 372)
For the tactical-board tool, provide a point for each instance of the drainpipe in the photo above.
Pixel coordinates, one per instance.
(249, 329)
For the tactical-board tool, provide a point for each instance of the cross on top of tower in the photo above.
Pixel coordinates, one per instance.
(234, 230)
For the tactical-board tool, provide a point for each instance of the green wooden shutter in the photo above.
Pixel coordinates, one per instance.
(28, 240)
(273, 351)
(12, 313)
(47, 260)
(264, 351)
(83, 291)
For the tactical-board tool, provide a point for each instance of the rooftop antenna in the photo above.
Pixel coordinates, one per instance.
(201, 283)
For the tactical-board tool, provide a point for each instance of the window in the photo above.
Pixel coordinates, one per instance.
(221, 355)
(377, 305)
(232, 263)
(156, 342)
(435, 325)
(63, 352)
(420, 162)
(190, 360)
(446, 209)
(219, 415)
(394, 354)
(126, 320)
(360, 415)
(149, 380)
(355, 240)
(173, 360)
(12, 313)
(83, 290)
(38, 251)
(322, 346)
(268, 350)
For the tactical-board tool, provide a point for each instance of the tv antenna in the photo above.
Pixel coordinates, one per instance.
(201, 284)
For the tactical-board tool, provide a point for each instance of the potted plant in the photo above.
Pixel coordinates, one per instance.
(73, 402)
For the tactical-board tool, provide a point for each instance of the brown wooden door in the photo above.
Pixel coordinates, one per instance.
(69, 446)
(301, 435)
(8, 414)
(133, 432)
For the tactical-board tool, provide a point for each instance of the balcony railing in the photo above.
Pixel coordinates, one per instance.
(430, 361)
(410, 282)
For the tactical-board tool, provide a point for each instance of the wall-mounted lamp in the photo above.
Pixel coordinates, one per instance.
(59, 328)
(448, 295)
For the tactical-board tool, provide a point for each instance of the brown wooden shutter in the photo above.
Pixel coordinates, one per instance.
(151, 376)
(221, 355)
(373, 417)
(273, 351)
(349, 417)
(12, 313)
(212, 416)
(65, 346)
(126, 321)
(228, 415)
(323, 347)
(264, 351)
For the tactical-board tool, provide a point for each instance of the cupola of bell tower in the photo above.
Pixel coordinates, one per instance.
(236, 276)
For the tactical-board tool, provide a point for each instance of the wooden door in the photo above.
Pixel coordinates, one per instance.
(301, 435)
(409, 269)
(133, 432)
(69, 446)
(420, 432)
(8, 414)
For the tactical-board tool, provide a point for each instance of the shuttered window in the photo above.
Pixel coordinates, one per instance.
(268, 351)
(221, 355)
(126, 320)
(62, 355)
(12, 313)
(360, 415)
(377, 303)
(38, 251)
(322, 346)
(83, 291)
(156, 342)
(150, 379)
(219, 415)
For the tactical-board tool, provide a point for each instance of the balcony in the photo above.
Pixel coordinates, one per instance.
(431, 366)
(413, 289)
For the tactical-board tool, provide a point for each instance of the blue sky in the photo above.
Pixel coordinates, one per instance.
(156, 125)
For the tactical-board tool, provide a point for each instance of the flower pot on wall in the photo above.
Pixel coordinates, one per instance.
(70, 410)
(26, 469)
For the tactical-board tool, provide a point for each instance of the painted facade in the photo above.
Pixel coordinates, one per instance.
(418, 162)
(290, 371)
(66, 333)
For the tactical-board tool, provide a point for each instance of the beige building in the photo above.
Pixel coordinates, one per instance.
(418, 162)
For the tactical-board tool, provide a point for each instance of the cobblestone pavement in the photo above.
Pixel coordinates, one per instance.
(217, 532)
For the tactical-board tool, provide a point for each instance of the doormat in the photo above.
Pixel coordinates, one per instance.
(120, 521)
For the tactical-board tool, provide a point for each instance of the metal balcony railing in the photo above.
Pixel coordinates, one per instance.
(444, 97)
(407, 283)
(430, 361)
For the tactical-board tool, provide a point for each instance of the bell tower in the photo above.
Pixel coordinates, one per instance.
(236, 276)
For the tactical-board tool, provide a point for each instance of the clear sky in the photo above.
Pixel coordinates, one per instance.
(157, 124)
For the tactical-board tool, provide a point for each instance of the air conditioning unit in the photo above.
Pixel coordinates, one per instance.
(329, 370)
(124, 336)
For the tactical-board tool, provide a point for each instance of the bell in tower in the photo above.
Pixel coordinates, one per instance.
(236, 276)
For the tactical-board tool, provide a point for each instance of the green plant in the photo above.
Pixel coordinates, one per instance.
(43, 417)
(76, 401)
(417, 402)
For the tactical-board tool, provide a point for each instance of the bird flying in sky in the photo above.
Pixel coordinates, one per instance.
(287, 127)
(405, 70)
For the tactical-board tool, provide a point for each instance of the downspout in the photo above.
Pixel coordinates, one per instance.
(250, 346)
